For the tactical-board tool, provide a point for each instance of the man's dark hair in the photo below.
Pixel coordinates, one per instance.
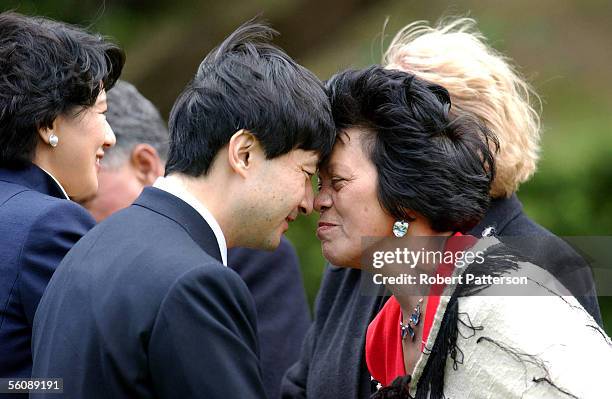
(248, 83)
(426, 161)
(134, 120)
(47, 68)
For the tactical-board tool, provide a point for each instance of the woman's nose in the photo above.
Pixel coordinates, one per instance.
(322, 200)
(109, 137)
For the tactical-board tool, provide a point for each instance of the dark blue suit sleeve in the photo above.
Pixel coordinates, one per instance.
(283, 317)
(204, 341)
(56, 230)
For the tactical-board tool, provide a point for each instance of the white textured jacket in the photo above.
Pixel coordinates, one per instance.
(539, 345)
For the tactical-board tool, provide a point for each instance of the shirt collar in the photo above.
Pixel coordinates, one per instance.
(56, 182)
(174, 186)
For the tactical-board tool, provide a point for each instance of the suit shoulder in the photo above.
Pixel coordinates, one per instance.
(239, 255)
(41, 224)
(59, 215)
(210, 282)
(534, 233)
(523, 225)
(211, 272)
(33, 206)
(263, 267)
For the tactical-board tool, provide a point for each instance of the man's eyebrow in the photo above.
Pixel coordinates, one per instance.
(313, 162)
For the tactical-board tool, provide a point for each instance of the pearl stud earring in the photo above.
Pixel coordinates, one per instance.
(53, 140)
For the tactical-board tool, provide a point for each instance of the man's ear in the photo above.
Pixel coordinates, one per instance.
(241, 151)
(146, 163)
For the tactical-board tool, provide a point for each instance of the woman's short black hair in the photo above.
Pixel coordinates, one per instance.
(47, 68)
(248, 83)
(426, 160)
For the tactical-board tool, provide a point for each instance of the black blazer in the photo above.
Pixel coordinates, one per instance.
(332, 364)
(38, 225)
(142, 307)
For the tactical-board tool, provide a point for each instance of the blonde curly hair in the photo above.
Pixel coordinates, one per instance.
(482, 82)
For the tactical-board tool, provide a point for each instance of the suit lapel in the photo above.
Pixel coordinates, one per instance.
(33, 178)
(182, 213)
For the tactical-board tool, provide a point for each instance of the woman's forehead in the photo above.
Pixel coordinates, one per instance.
(347, 156)
(350, 143)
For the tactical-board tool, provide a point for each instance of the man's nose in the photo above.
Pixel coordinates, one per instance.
(307, 202)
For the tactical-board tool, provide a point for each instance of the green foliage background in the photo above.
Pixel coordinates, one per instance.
(563, 47)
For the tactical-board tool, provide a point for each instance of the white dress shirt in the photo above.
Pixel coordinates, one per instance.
(174, 186)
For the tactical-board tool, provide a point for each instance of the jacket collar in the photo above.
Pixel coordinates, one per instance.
(182, 213)
(501, 212)
(34, 178)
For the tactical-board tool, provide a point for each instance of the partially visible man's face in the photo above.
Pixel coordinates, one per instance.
(280, 191)
(117, 188)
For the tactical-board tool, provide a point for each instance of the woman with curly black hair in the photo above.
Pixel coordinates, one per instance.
(408, 176)
(53, 133)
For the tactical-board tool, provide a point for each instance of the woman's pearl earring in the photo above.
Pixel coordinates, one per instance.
(53, 140)
(400, 228)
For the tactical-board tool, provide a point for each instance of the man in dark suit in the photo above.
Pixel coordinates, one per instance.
(273, 278)
(143, 306)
